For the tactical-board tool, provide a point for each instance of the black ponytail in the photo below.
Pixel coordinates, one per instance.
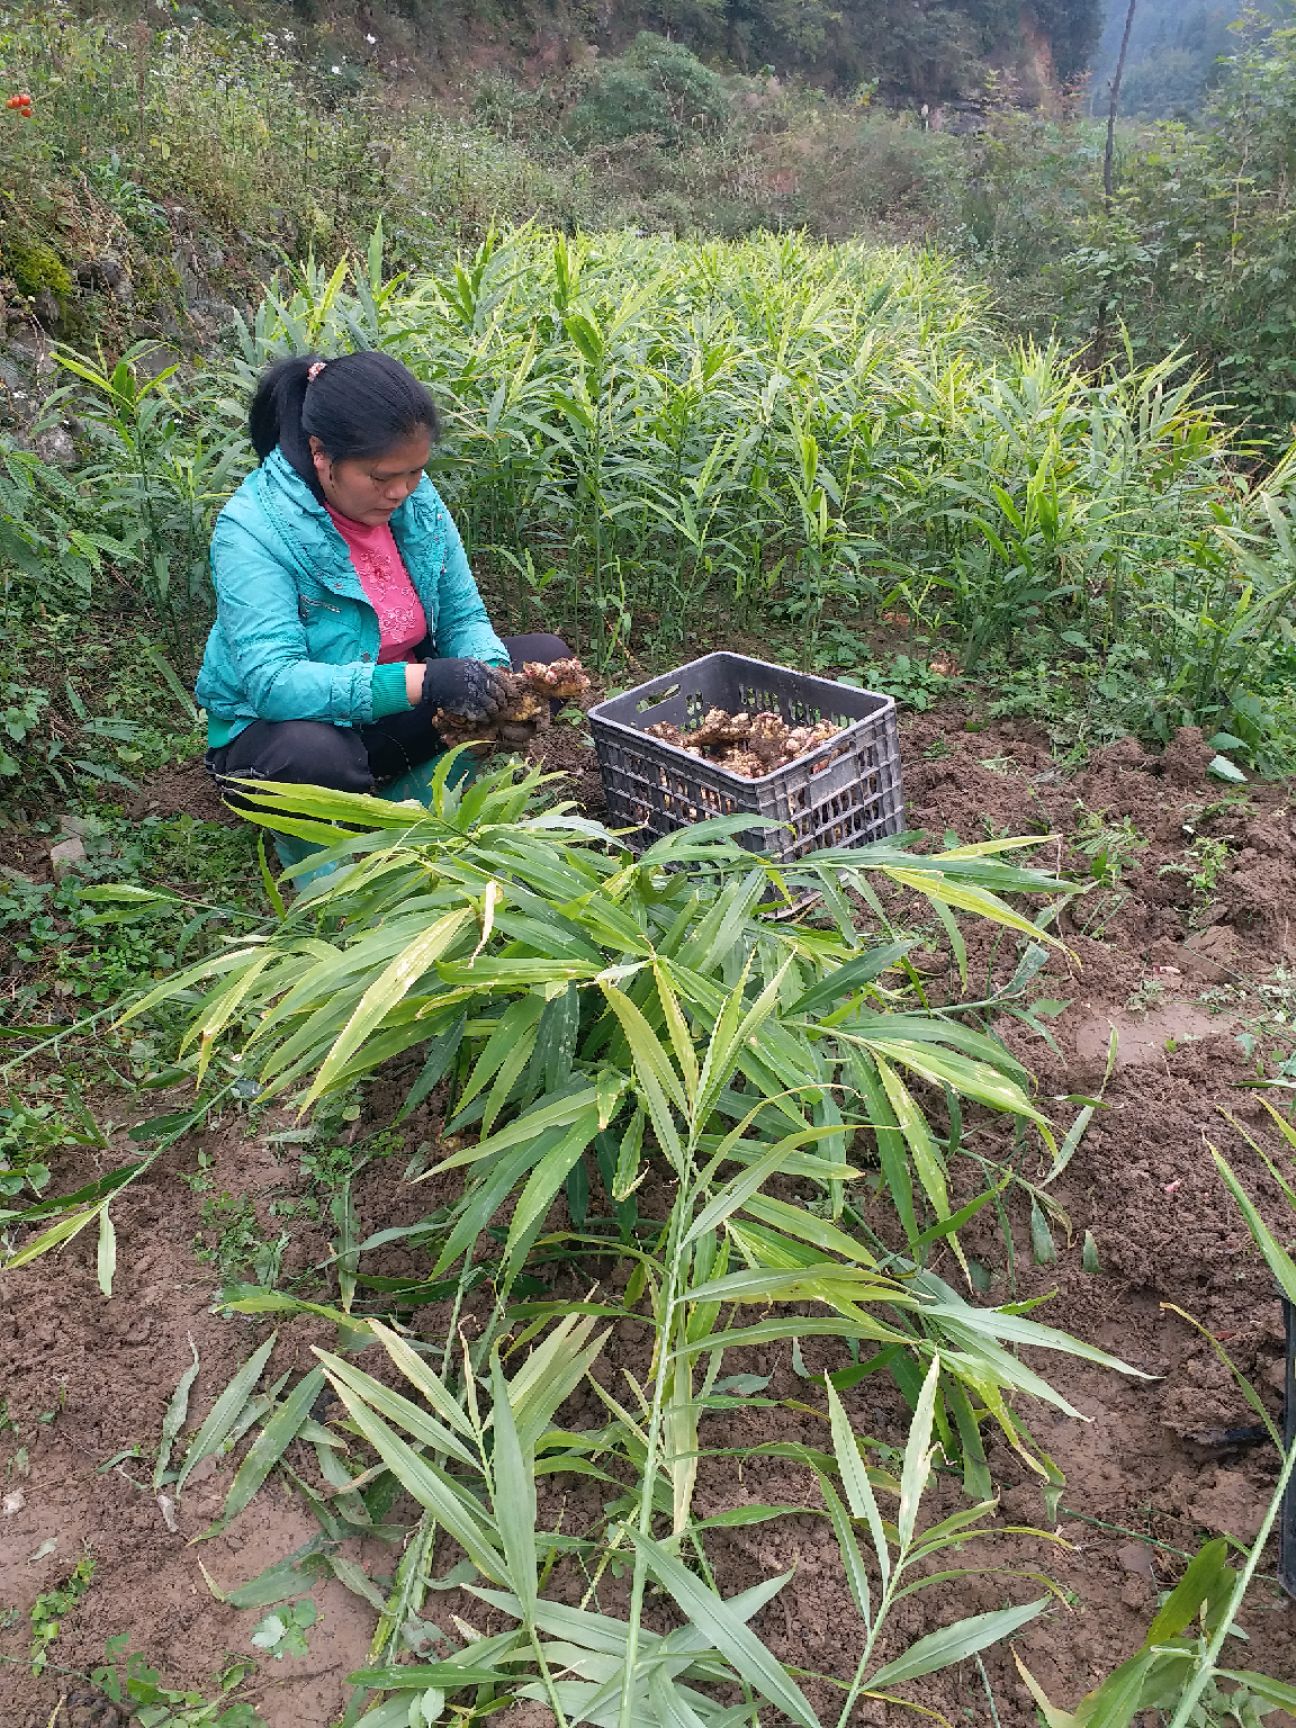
(357, 405)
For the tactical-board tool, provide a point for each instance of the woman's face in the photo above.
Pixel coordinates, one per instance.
(369, 488)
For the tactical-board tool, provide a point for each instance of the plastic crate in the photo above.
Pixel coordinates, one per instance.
(845, 792)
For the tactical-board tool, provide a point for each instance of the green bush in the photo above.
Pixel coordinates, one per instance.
(657, 88)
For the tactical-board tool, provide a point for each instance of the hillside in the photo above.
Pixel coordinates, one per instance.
(911, 51)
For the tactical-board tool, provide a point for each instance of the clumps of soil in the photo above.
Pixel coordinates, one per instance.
(750, 745)
(532, 694)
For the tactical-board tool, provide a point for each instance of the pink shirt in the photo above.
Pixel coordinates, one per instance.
(402, 624)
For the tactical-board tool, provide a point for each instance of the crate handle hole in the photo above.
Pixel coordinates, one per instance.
(646, 702)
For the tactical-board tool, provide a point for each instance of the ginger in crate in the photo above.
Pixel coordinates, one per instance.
(751, 745)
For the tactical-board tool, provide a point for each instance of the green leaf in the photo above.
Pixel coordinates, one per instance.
(545, 1181)
(1280, 1263)
(63, 1231)
(1220, 768)
(1264, 1686)
(854, 975)
(658, 1082)
(269, 1447)
(855, 1480)
(107, 1256)
(1043, 1248)
(173, 1421)
(514, 1496)
(852, 1560)
(225, 1412)
(956, 1643)
(389, 988)
(446, 1676)
(1208, 1577)
(126, 893)
(751, 1660)
(446, 1500)
(917, 1456)
(398, 1409)
(433, 1388)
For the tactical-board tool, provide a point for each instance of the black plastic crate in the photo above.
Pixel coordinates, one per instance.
(845, 792)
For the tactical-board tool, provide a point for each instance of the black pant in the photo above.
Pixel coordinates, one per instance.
(346, 758)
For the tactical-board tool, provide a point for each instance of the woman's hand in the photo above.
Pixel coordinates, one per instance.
(470, 688)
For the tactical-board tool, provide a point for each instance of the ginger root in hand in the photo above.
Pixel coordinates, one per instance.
(527, 709)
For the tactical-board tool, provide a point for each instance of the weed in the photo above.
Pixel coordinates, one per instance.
(52, 1607)
(1111, 847)
(128, 1680)
(1206, 860)
(231, 1239)
(1149, 994)
(283, 1632)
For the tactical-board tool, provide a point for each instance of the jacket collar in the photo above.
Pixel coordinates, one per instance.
(281, 474)
(311, 537)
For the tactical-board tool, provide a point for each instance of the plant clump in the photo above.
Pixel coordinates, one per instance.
(751, 745)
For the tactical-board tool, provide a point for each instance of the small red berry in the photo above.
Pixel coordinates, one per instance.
(25, 99)
(26, 113)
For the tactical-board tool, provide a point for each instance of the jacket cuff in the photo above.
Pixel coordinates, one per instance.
(388, 695)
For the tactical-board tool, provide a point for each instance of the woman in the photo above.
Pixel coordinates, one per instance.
(346, 613)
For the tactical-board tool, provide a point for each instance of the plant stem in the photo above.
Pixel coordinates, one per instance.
(1206, 1672)
(681, 1215)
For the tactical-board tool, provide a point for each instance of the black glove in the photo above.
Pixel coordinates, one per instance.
(467, 687)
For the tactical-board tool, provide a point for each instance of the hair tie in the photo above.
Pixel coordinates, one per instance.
(314, 369)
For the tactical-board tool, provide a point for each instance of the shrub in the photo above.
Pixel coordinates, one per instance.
(656, 88)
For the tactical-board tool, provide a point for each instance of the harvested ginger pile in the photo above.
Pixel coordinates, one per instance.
(748, 744)
(528, 710)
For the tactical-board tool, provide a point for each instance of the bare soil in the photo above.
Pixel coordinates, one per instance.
(1195, 982)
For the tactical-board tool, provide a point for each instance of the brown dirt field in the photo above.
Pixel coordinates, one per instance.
(1198, 987)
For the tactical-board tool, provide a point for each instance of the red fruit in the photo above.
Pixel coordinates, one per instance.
(14, 102)
(25, 99)
(26, 113)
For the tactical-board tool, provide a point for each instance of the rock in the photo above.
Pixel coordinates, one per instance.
(106, 271)
(1136, 1557)
(57, 447)
(67, 856)
(1230, 1504)
(1211, 956)
(74, 827)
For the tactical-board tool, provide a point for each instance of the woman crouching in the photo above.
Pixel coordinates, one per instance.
(346, 614)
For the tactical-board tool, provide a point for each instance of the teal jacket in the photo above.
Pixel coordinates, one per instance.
(295, 637)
